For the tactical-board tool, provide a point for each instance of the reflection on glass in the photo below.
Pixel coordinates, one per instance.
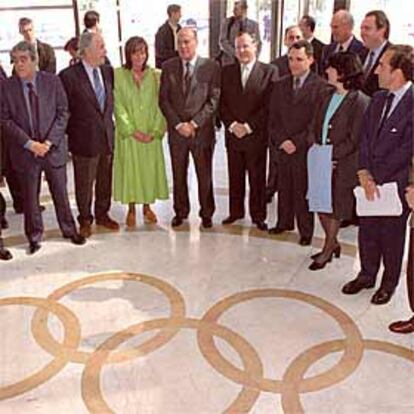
(399, 12)
(322, 11)
(53, 26)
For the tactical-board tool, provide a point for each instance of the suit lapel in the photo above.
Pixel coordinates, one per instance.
(20, 95)
(193, 82)
(254, 77)
(107, 86)
(302, 93)
(375, 64)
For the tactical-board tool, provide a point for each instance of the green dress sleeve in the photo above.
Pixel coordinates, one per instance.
(160, 125)
(125, 126)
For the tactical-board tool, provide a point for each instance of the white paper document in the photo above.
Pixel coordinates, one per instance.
(388, 204)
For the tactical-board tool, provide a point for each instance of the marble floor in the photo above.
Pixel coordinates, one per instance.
(191, 321)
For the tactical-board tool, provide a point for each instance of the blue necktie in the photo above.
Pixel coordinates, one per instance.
(99, 89)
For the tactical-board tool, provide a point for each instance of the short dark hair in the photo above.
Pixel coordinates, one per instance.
(303, 44)
(91, 19)
(349, 68)
(132, 44)
(242, 4)
(24, 21)
(309, 21)
(72, 43)
(24, 46)
(173, 8)
(403, 58)
(381, 21)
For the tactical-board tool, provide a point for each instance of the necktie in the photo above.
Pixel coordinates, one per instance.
(296, 85)
(369, 63)
(34, 111)
(99, 89)
(386, 111)
(187, 78)
(245, 75)
(341, 48)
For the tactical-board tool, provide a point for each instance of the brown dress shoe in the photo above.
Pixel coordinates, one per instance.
(403, 327)
(381, 297)
(108, 223)
(85, 230)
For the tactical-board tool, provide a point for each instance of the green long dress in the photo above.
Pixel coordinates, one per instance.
(139, 168)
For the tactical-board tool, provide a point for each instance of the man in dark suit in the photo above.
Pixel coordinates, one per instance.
(189, 98)
(34, 116)
(375, 30)
(292, 107)
(246, 87)
(292, 35)
(46, 59)
(342, 25)
(231, 26)
(166, 36)
(408, 325)
(386, 149)
(307, 25)
(89, 87)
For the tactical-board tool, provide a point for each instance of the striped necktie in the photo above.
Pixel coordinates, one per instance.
(99, 89)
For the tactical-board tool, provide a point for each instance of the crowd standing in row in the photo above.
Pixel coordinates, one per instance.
(330, 117)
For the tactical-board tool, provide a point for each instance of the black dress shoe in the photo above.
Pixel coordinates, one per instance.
(261, 225)
(305, 241)
(207, 223)
(355, 286)
(4, 224)
(278, 230)
(403, 327)
(231, 219)
(34, 247)
(381, 297)
(347, 223)
(5, 254)
(77, 239)
(176, 221)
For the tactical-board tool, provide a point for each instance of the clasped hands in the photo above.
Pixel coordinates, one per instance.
(288, 146)
(142, 137)
(39, 149)
(186, 129)
(240, 130)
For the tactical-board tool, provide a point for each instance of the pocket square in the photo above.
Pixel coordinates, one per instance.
(393, 130)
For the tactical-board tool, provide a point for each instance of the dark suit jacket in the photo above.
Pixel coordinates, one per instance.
(282, 64)
(388, 156)
(164, 44)
(343, 133)
(371, 82)
(90, 131)
(291, 115)
(355, 46)
(3, 77)
(200, 104)
(250, 104)
(47, 58)
(317, 54)
(53, 116)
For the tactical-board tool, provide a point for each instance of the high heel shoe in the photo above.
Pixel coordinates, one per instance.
(320, 265)
(336, 252)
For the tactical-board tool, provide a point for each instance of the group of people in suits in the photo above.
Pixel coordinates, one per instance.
(325, 135)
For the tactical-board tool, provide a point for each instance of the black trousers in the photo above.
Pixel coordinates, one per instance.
(2, 213)
(382, 238)
(271, 185)
(410, 271)
(13, 182)
(93, 172)
(252, 162)
(292, 203)
(203, 160)
(57, 182)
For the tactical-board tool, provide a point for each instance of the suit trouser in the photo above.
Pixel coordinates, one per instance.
(89, 171)
(203, 160)
(410, 270)
(291, 201)
(13, 182)
(271, 185)
(2, 213)
(254, 163)
(57, 182)
(382, 238)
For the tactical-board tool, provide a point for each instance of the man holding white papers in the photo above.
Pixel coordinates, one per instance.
(386, 148)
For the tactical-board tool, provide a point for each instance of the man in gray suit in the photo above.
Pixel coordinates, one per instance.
(231, 27)
(34, 115)
(189, 97)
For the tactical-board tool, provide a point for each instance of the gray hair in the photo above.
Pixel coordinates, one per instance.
(24, 46)
(85, 42)
(346, 17)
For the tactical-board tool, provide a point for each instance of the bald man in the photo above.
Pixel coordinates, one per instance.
(342, 26)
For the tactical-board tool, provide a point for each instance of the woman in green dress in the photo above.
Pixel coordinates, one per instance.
(139, 168)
